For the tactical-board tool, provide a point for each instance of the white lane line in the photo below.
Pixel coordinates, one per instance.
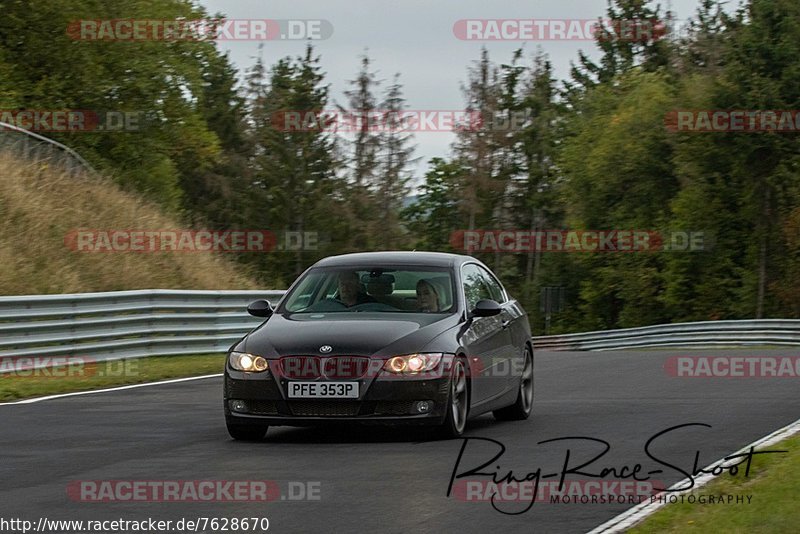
(120, 388)
(634, 515)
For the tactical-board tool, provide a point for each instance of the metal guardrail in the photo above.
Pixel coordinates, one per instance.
(33, 147)
(704, 334)
(125, 324)
(130, 324)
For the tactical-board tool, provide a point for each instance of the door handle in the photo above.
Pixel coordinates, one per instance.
(506, 323)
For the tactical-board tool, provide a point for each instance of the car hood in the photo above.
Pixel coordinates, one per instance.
(376, 334)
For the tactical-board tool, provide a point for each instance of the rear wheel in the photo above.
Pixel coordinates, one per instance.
(247, 432)
(521, 408)
(457, 403)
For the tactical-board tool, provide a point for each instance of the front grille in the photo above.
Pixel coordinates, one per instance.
(345, 367)
(334, 367)
(301, 367)
(401, 407)
(262, 407)
(324, 408)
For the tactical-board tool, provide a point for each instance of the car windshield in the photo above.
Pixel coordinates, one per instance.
(373, 289)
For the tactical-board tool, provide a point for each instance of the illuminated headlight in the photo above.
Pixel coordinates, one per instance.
(413, 363)
(241, 361)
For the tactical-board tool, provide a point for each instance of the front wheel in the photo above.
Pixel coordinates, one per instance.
(457, 403)
(521, 409)
(247, 432)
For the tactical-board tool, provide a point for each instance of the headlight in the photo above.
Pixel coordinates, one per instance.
(241, 361)
(412, 363)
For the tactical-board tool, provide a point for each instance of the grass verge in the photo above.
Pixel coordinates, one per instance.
(773, 483)
(99, 375)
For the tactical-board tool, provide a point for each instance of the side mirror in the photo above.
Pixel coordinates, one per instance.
(260, 308)
(486, 308)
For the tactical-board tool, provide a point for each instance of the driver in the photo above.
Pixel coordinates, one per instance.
(350, 291)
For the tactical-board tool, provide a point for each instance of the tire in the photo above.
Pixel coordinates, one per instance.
(247, 432)
(457, 403)
(521, 409)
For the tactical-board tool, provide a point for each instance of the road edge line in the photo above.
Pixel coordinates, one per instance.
(638, 513)
(107, 390)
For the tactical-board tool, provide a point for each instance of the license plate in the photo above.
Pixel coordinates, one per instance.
(323, 390)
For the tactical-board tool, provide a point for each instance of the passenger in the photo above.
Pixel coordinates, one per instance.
(427, 296)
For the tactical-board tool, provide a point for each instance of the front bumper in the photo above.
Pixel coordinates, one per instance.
(384, 399)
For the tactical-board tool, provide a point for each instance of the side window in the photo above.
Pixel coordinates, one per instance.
(495, 289)
(475, 287)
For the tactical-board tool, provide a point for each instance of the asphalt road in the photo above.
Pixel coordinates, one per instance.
(374, 479)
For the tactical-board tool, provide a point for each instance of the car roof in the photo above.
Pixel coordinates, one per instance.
(437, 259)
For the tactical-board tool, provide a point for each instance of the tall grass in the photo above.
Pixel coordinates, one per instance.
(40, 205)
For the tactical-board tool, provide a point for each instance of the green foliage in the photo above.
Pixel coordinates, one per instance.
(160, 81)
(433, 216)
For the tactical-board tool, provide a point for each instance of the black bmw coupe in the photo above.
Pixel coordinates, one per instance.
(383, 337)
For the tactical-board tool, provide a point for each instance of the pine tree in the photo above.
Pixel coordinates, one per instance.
(294, 170)
(395, 158)
(535, 203)
(634, 37)
(362, 145)
(475, 148)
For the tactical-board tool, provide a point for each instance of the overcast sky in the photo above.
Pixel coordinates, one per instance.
(414, 38)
